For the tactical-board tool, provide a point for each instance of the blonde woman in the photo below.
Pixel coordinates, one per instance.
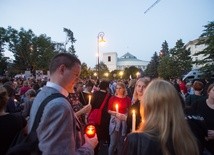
(164, 130)
(140, 87)
(117, 126)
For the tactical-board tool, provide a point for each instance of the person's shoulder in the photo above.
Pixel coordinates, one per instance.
(140, 137)
(18, 119)
(57, 108)
(112, 97)
(133, 137)
(137, 134)
(58, 102)
(16, 115)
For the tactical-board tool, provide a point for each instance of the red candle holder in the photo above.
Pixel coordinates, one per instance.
(90, 130)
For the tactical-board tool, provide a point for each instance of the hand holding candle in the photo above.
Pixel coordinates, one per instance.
(90, 131)
(133, 120)
(117, 108)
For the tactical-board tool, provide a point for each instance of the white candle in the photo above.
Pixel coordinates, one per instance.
(133, 120)
(89, 99)
(117, 108)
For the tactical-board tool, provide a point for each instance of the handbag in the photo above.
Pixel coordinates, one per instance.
(95, 115)
(25, 144)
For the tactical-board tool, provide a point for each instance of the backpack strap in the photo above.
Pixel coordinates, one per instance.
(41, 109)
(104, 101)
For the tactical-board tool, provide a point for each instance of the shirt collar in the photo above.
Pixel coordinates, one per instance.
(57, 87)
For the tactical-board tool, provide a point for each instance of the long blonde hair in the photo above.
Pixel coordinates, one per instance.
(162, 114)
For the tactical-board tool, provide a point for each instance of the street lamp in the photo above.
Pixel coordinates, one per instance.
(95, 74)
(100, 39)
(106, 74)
(137, 74)
(121, 74)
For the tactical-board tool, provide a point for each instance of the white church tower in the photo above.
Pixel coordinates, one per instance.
(110, 59)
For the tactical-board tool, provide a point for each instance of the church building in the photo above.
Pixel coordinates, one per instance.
(113, 62)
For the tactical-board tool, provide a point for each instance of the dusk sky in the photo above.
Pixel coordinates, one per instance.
(126, 26)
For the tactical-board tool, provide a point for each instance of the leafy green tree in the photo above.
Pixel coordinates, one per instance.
(102, 69)
(167, 68)
(130, 71)
(20, 44)
(85, 71)
(30, 52)
(207, 38)
(181, 58)
(175, 64)
(3, 59)
(3, 39)
(114, 74)
(71, 39)
(43, 49)
(165, 49)
(3, 63)
(152, 67)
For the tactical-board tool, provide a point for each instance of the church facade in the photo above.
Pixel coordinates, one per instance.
(113, 62)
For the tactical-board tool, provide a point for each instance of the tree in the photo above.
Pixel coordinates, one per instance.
(114, 74)
(152, 67)
(43, 49)
(71, 39)
(177, 63)
(102, 69)
(165, 49)
(3, 64)
(207, 38)
(20, 44)
(167, 68)
(30, 52)
(85, 71)
(130, 71)
(3, 59)
(181, 57)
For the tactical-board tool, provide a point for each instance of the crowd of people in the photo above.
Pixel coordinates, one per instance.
(139, 116)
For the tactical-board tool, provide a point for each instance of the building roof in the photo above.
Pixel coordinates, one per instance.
(194, 42)
(128, 57)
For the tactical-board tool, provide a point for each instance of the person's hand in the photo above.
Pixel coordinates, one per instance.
(120, 116)
(91, 141)
(87, 108)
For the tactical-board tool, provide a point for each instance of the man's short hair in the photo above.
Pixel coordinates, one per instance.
(69, 60)
(104, 85)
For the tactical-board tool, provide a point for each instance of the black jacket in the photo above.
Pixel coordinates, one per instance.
(141, 144)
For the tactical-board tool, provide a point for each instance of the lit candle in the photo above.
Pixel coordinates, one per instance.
(90, 131)
(133, 120)
(117, 108)
(89, 99)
